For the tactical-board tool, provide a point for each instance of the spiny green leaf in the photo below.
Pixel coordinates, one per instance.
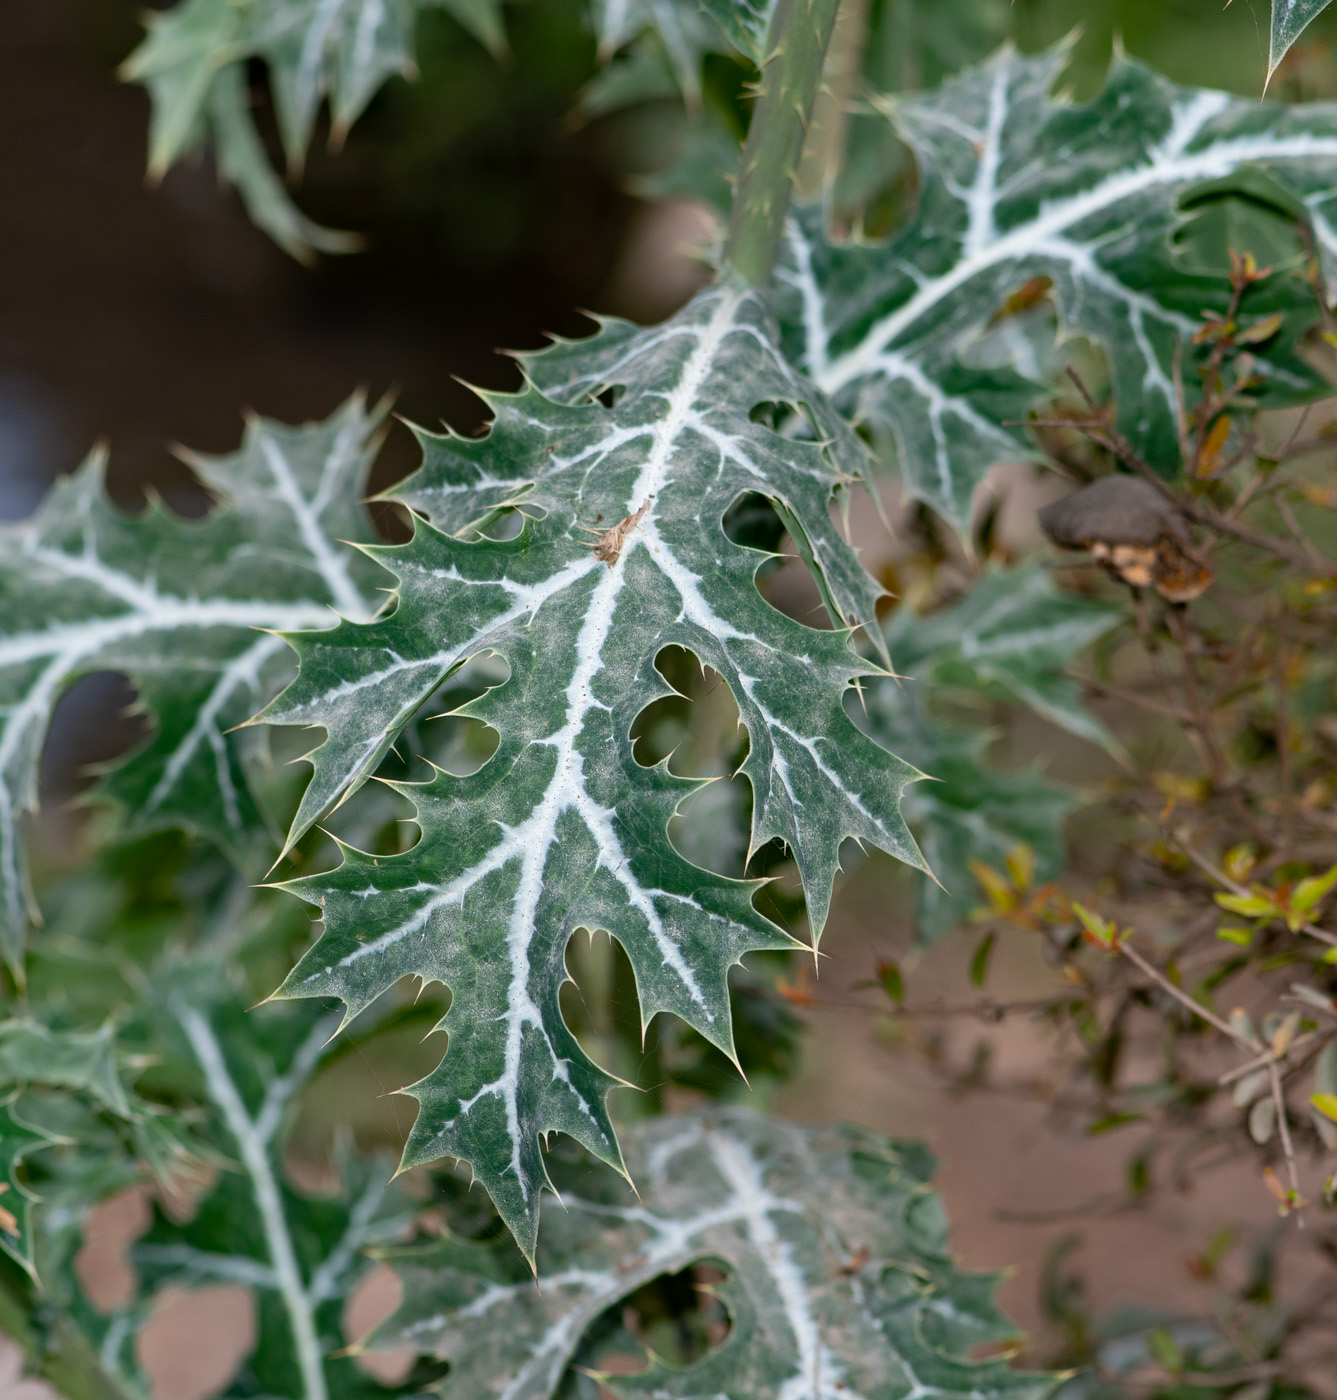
(562, 828)
(840, 1282)
(30, 1053)
(1015, 186)
(178, 605)
(300, 1256)
(1013, 636)
(1289, 19)
(17, 1140)
(193, 62)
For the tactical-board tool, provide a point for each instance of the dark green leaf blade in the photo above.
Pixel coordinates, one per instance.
(1014, 186)
(186, 610)
(562, 828)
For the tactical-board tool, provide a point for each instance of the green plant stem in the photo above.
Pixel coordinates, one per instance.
(790, 75)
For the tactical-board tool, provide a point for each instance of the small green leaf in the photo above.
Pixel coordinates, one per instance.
(979, 963)
(1326, 1105)
(1241, 937)
(1165, 1350)
(1100, 931)
(1114, 1120)
(890, 980)
(1308, 893)
(1263, 1120)
(1252, 906)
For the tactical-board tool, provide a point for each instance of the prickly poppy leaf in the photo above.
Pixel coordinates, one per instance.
(1011, 637)
(193, 63)
(1289, 20)
(562, 828)
(839, 1280)
(183, 608)
(1016, 185)
(301, 1255)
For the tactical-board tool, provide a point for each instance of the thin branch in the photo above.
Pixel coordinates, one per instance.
(1181, 996)
(1287, 1147)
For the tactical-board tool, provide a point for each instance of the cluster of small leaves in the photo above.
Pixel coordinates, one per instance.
(1202, 926)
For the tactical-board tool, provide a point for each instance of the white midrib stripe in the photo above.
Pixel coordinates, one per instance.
(535, 836)
(331, 565)
(983, 194)
(273, 1221)
(164, 615)
(817, 1377)
(750, 1204)
(1216, 161)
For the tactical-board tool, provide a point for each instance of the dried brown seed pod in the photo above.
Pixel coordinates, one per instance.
(1133, 532)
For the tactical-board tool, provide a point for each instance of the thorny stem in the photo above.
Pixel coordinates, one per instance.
(790, 74)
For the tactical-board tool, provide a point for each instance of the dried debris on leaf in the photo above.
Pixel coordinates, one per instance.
(1133, 532)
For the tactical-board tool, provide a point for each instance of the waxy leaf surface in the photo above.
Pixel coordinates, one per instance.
(300, 1255)
(177, 605)
(1017, 186)
(562, 829)
(1289, 20)
(839, 1280)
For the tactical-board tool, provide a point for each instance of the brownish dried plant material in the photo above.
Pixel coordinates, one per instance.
(608, 547)
(1133, 532)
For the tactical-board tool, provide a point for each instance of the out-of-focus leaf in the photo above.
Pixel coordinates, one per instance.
(17, 1140)
(839, 1277)
(32, 1054)
(193, 62)
(179, 606)
(300, 1255)
(1012, 636)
